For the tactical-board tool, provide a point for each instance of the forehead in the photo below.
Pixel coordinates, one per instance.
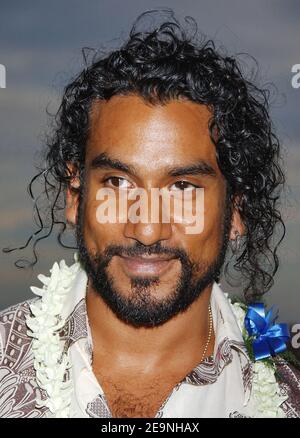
(129, 129)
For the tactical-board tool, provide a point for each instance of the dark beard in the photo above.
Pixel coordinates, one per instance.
(141, 308)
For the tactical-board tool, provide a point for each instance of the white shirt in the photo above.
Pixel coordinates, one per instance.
(218, 387)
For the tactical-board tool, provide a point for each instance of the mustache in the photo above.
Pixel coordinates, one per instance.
(141, 250)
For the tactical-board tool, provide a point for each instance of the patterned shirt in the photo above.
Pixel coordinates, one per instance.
(220, 386)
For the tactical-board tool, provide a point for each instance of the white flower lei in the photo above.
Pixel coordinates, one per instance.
(51, 362)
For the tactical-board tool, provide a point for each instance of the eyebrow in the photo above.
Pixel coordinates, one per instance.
(201, 167)
(103, 161)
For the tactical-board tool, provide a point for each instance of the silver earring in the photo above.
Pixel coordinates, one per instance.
(236, 243)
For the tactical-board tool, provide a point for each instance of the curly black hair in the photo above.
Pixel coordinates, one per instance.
(159, 64)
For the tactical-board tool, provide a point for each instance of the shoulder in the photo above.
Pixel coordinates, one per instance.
(13, 329)
(18, 386)
(288, 378)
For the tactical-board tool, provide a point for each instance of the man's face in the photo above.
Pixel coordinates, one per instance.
(150, 141)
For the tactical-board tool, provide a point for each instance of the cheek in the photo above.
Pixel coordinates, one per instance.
(213, 221)
(213, 216)
(97, 235)
(206, 244)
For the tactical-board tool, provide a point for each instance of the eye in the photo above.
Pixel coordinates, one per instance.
(117, 182)
(184, 186)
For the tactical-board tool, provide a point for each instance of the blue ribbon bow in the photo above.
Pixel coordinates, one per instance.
(269, 339)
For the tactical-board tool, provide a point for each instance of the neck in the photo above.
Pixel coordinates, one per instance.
(179, 342)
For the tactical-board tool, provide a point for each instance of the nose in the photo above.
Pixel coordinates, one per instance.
(149, 232)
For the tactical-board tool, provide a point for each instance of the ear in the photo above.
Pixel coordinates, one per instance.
(72, 194)
(237, 225)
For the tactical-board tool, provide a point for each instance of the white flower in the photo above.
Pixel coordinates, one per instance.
(49, 362)
(266, 393)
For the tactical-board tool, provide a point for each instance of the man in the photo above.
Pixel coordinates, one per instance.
(138, 326)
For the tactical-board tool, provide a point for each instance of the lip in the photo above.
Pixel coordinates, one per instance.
(147, 265)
